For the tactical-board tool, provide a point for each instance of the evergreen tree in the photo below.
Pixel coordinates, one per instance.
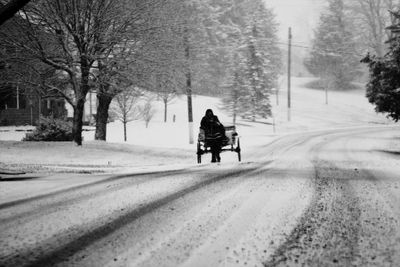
(257, 100)
(383, 88)
(257, 61)
(235, 90)
(334, 56)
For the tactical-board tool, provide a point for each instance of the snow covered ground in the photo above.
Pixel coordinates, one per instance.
(321, 191)
(168, 143)
(309, 112)
(327, 198)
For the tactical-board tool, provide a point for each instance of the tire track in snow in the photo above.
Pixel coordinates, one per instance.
(101, 231)
(34, 207)
(15, 203)
(198, 225)
(327, 234)
(64, 251)
(380, 211)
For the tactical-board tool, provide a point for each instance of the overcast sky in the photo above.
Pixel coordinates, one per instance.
(301, 15)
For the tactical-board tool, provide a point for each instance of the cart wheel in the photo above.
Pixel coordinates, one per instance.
(238, 150)
(198, 153)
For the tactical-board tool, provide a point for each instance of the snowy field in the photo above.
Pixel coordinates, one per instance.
(309, 112)
(168, 143)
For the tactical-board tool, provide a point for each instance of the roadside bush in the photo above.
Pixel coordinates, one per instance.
(4, 122)
(51, 129)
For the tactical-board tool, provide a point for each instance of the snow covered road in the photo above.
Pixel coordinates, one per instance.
(318, 199)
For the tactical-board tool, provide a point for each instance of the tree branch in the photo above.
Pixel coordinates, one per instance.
(8, 10)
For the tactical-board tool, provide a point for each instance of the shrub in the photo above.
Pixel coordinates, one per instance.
(51, 129)
(4, 122)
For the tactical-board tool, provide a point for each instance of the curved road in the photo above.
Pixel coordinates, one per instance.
(316, 199)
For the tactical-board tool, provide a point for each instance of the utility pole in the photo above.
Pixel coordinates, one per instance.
(31, 107)
(327, 84)
(188, 85)
(326, 95)
(273, 123)
(289, 71)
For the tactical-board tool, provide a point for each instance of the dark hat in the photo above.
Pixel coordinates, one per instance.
(209, 112)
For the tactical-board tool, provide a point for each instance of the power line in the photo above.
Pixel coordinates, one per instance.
(324, 51)
(332, 52)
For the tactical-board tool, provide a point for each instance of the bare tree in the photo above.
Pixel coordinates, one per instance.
(151, 48)
(126, 108)
(166, 91)
(372, 18)
(78, 35)
(147, 111)
(167, 96)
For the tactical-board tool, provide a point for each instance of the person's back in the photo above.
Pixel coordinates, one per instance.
(214, 133)
(212, 127)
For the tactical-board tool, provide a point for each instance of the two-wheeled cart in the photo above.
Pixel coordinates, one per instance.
(230, 143)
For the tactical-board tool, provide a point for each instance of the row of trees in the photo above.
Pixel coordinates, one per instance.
(381, 28)
(360, 31)
(73, 47)
(346, 32)
(70, 48)
(83, 45)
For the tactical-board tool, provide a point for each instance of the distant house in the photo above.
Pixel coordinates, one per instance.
(25, 108)
(18, 108)
(20, 102)
(89, 111)
(23, 95)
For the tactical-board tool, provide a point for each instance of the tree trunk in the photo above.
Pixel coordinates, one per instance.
(188, 84)
(125, 131)
(165, 110)
(80, 102)
(102, 116)
(78, 121)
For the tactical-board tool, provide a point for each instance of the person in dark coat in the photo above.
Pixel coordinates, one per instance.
(214, 134)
